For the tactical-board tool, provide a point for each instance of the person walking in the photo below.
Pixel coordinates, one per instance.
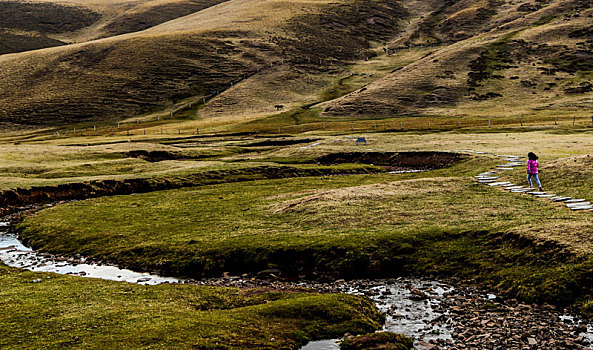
(532, 171)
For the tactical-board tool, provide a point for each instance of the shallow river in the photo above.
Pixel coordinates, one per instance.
(432, 312)
(14, 253)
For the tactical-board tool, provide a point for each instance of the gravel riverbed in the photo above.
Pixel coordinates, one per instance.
(440, 316)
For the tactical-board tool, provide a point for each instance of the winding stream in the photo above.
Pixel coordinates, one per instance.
(15, 254)
(436, 314)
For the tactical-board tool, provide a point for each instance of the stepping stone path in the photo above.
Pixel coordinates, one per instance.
(491, 178)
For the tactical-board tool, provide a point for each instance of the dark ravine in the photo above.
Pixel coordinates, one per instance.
(397, 160)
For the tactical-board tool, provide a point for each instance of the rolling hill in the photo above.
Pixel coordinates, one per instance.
(528, 58)
(195, 55)
(444, 57)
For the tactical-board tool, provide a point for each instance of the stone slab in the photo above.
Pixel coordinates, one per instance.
(574, 201)
(573, 205)
(584, 207)
(536, 193)
(560, 199)
(545, 195)
(499, 183)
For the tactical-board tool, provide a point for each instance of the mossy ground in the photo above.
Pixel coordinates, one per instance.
(43, 310)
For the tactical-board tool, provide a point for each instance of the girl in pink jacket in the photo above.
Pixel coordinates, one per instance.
(532, 166)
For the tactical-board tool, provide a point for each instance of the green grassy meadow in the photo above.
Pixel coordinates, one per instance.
(233, 215)
(44, 310)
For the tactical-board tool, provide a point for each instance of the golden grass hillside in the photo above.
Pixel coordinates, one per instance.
(530, 59)
(194, 56)
(31, 25)
(237, 60)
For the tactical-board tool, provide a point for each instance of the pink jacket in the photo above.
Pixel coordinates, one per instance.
(532, 166)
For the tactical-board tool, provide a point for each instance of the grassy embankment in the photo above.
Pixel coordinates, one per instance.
(359, 226)
(44, 310)
(435, 222)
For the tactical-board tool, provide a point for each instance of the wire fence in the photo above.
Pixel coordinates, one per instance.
(159, 126)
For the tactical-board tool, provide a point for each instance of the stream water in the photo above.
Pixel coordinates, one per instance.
(408, 304)
(434, 313)
(14, 253)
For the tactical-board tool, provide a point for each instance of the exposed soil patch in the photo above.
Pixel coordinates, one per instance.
(280, 142)
(395, 160)
(159, 156)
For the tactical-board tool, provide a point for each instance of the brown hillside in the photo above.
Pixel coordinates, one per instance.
(153, 13)
(44, 17)
(195, 55)
(538, 62)
(30, 25)
(10, 42)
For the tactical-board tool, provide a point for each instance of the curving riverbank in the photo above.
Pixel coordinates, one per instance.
(436, 314)
(487, 252)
